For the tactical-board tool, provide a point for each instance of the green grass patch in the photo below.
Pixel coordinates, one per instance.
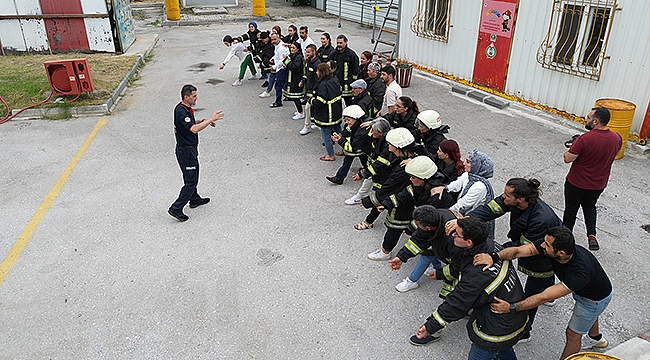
(23, 80)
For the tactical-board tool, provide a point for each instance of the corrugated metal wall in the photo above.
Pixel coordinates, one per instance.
(59, 33)
(624, 75)
(352, 10)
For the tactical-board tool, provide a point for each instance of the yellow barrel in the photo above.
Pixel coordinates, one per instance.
(259, 8)
(591, 356)
(173, 10)
(620, 121)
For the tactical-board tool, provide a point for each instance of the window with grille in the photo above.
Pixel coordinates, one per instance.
(577, 37)
(431, 20)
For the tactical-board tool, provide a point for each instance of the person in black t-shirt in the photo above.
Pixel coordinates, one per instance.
(579, 272)
(186, 130)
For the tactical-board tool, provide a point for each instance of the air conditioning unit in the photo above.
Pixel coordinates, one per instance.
(69, 77)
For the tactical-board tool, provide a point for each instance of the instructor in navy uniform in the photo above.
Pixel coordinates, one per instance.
(186, 129)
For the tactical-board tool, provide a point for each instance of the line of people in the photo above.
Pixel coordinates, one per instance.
(445, 203)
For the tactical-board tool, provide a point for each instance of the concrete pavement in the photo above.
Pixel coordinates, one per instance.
(272, 268)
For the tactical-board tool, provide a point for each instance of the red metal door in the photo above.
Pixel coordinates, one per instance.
(68, 33)
(494, 42)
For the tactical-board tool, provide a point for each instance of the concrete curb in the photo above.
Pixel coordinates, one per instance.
(484, 97)
(91, 110)
(637, 348)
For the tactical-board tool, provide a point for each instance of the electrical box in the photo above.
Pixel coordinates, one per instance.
(69, 77)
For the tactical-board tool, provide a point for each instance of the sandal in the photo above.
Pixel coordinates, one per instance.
(363, 226)
(339, 153)
(327, 158)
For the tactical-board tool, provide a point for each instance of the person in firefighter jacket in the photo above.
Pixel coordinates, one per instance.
(530, 218)
(402, 146)
(327, 107)
(432, 243)
(346, 67)
(294, 89)
(362, 97)
(430, 131)
(265, 52)
(491, 334)
(375, 87)
(377, 167)
(355, 141)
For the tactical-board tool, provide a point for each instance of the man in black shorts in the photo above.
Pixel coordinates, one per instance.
(186, 129)
(580, 273)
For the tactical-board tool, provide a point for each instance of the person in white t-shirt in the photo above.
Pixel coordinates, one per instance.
(393, 90)
(304, 40)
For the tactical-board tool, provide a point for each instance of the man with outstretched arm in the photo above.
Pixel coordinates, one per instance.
(580, 273)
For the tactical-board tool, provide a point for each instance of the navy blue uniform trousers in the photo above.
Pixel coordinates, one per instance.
(189, 162)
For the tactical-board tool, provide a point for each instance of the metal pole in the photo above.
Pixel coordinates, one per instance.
(340, 13)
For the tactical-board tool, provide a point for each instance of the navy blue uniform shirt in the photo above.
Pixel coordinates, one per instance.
(183, 121)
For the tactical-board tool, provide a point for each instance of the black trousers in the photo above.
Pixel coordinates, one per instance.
(189, 163)
(574, 198)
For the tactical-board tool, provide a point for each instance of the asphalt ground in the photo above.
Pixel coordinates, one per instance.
(272, 267)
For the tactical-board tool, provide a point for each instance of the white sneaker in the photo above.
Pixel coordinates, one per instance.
(298, 116)
(550, 303)
(237, 83)
(406, 285)
(315, 127)
(253, 77)
(589, 343)
(378, 255)
(430, 270)
(305, 131)
(264, 95)
(354, 200)
(296, 112)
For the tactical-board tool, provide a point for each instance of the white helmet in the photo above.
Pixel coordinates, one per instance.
(354, 111)
(421, 167)
(400, 137)
(430, 119)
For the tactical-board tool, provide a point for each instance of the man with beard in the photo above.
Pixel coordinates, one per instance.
(393, 90)
(346, 68)
(580, 273)
(304, 40)
(591, 156)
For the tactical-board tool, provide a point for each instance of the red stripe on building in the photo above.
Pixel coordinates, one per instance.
(65, 34)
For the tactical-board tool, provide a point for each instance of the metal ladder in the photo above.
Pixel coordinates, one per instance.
(390, 17)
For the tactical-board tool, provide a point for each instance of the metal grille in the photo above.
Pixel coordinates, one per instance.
(577, 37)
(431, 20)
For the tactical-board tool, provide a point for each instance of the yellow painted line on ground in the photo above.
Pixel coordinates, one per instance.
(28, 232)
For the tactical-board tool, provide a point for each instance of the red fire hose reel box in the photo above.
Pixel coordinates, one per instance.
(69, 77)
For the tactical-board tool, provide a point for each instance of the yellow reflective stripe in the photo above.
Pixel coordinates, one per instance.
(524, 240)
(409, 189)
(535, 274)
(393, 199)
(376, 185)
(383, 161)
(446, 271)
(371, 169)
(500, 277)
(498, 339)
(439, 318)
(495, 208)
(345, 71)
(333, 100)
(373, 199)
(412, 247)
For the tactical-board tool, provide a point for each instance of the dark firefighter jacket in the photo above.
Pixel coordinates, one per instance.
(295, 71)
(526, 227)
(378, 164)
(310, 79)
(327, 104)
(356, 140)
(476, 289)
(347, 69)
(408, 121)
(431, 139)
(324, 53)
(377, 89)
(364, 100)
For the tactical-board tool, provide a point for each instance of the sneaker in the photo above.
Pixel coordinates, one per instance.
(305, 131)
(406, 285)
(253, 77)
(264, 94)
(425, 340)
(593, 243)
(265, 84)
(296, 112)
(178, 215)
(378, 255)
(550, 303)
(315, 127)
(589, 343)
(203, 201)
(298, 116)
(354, 200)
(275, 105)
(430, 270)
(237, 83)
